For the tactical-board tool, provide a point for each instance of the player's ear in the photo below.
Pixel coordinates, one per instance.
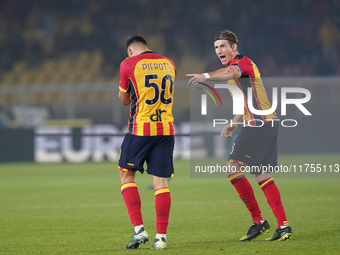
(129, 52)
(234, 47)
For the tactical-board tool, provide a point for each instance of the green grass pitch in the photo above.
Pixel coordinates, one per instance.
(78, 209)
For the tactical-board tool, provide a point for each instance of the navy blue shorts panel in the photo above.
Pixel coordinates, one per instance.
(156, 151)
(256, 146)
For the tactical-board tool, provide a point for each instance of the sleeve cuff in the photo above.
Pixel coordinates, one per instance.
(241, 71)
(121, 89)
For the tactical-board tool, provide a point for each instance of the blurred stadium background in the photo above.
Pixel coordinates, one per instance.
(59, 60)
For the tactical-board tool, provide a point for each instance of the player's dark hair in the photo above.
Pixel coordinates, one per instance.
(135, 39)
(226, 35)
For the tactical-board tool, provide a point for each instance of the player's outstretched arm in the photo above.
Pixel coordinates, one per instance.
(124, 97)
(223, 74)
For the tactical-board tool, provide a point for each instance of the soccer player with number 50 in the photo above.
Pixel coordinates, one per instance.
(147, 83)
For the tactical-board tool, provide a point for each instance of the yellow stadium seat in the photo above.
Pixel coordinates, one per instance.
(3, 98)
(7, 79)
(49, 66)
(24, 77)
(78, 96)
(54, 78)
(61, 97)
(16, 98)
(39, 78)
(47, 98)
(19, 67)
(107, 96)
(63, 66)
(93, 96)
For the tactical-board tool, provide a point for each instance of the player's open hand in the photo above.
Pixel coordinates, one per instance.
(196, 78)
(228, 130)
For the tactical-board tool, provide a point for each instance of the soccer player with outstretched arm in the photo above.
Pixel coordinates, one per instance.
(147, 83)
(254, 146)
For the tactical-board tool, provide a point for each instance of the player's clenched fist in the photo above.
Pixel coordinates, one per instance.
(228, 130)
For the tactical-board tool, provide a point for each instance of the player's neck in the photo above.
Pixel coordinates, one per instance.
(144, 51)
(236, 53)
(135, 51)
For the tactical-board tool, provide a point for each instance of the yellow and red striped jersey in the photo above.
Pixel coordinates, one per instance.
(149, 78)
(251, 77)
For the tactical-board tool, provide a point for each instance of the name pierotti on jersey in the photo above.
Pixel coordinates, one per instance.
(156, 66)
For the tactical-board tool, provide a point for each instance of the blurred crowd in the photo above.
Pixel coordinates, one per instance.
(284, 38)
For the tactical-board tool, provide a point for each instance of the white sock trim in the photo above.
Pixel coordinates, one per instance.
(160, 235)
(137, 228)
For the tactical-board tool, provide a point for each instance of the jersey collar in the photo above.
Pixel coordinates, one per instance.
(146, 52)
(236, 56)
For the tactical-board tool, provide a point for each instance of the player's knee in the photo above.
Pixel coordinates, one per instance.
(126, 177)
(262, 176)
(159, 182)
(233, 168)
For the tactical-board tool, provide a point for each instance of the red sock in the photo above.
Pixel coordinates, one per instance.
(273, 196)
(246, 193)
(162, 204)
(132, 202)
